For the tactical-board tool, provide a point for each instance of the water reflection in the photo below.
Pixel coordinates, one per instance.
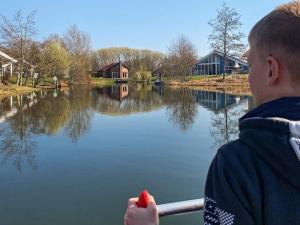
(16, 142)
(124, 99)
(79, 119)
(181, 106)
(70, 111)
(226, 110)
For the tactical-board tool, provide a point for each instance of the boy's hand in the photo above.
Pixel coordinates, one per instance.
(141, 216)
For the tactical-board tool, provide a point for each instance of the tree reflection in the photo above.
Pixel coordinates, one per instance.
(16, 137)
(80, 116)
(142, 97)
(181, 106)
(24, 118)
(18, 148)
(224, 122)
(50, 114)
(139, 98)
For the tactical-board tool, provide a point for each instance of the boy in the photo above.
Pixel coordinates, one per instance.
(256, 179)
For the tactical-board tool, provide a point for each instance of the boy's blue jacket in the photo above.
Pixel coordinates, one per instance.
(256, 179)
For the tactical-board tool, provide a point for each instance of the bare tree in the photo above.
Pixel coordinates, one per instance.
(78, 45)
(226, 36)
(94, 62)
(16, 34)
(180, 59)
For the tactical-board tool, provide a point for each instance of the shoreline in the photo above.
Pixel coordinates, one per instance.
(234, 90)
(12, 90)
(234, 84)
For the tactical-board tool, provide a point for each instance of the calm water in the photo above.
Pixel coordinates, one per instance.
(75, 156)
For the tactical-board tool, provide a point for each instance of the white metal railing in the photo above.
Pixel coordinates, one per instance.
(175, 208)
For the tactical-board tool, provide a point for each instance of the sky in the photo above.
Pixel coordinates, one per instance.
(151, 24)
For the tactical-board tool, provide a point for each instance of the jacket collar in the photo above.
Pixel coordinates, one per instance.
(286, 107)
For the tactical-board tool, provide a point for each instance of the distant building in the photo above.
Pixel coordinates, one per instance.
(213, 63)
(114, 70)
(157, 72)
(6, 62)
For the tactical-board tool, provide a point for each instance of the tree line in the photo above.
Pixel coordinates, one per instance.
(66, 56)
(70, 56)
(177, 62)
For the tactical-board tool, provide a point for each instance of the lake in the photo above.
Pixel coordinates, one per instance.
(74, 156)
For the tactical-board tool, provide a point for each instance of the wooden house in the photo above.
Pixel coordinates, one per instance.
(114, 70)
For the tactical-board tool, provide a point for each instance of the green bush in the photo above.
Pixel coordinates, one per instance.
(136, 76)
(142, 76)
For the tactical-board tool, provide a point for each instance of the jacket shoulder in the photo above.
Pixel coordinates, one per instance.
(228, 185)
(235, 150)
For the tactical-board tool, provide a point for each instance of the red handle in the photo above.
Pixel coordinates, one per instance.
(143, 199)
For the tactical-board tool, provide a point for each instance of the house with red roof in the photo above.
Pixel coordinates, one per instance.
(114, 70)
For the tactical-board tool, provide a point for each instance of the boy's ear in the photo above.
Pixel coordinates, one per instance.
(273, 67)
(246, 53)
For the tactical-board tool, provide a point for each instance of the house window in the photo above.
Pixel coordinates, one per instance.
(114, 74)
(124, 89)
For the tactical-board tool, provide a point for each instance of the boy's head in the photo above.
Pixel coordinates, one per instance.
(274, 55)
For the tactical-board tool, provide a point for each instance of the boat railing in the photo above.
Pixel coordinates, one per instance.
(182, 207)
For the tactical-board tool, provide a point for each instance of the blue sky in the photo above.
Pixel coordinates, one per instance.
(151, 24)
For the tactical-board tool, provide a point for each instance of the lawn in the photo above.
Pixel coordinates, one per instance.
(200, 77)
(101, 80)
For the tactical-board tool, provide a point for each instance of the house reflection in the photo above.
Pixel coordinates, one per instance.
(11, 105)
(217, 101)
(116, 92)
(226, 110)
(16, 142)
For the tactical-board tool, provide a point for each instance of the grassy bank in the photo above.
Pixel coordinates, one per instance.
(213, 80)
(233, 84)
(235, 90)
(101, 80)
(42, 82)
(12, 89)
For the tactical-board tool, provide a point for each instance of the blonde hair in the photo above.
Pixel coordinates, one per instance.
(279, 32)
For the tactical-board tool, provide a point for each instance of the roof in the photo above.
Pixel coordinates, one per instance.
(8, 57)
(108, 67)
(239, 60)
(12, 59)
